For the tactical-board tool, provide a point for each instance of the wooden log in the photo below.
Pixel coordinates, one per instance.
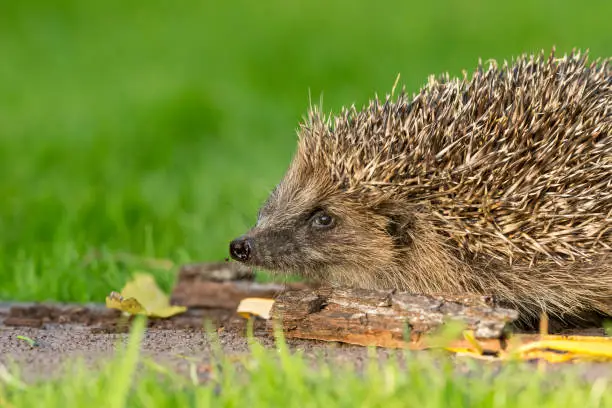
(23, 322)
(215, 271)
(381, 318)
(221, 286)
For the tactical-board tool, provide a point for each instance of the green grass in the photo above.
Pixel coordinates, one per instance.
(281, 378)
(157, 128)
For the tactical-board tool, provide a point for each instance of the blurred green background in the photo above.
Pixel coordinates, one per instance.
(157, 128)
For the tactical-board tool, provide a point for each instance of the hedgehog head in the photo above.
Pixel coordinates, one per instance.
(334, 213)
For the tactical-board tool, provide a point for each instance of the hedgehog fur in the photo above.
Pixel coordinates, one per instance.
(498, 184)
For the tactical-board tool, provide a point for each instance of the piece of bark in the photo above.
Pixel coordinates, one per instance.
(221, 286)
(23, 322)
(381, 318)
(39, 314)
(215, 271)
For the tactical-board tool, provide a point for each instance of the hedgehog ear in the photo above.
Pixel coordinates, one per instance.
(400, 230)
(400, 223)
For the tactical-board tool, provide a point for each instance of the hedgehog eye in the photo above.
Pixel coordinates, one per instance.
(322, 220)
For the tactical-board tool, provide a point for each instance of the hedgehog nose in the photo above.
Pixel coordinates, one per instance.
(240, 249)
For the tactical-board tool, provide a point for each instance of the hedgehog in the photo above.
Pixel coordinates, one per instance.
(498, 184)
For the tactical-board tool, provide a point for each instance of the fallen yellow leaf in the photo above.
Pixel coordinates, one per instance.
(143, 296)
(548, 356)
(469, 336)
(255, 307)
(131, 305)
(547, 348)
(590, 348)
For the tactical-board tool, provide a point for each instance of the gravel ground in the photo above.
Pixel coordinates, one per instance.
(64, 332)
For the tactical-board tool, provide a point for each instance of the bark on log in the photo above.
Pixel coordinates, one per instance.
(380, 318)
(215, 271)
(221, 286)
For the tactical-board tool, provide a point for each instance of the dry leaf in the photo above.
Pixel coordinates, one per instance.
(143, 296)
(547, 348)
(130, 305)
(586, 348)
(255, 307)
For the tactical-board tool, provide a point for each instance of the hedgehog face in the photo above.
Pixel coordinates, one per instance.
(315, 230)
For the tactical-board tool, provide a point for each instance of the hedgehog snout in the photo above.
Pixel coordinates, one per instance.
(240, 249)
(267, 249)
